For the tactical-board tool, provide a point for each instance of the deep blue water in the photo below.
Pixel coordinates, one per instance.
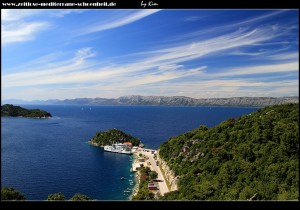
(44, 156)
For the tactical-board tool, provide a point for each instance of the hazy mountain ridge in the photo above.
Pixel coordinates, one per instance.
(136, 100)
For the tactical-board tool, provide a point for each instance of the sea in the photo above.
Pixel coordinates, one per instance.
(45, 156)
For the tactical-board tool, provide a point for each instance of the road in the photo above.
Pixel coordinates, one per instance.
(163, 188)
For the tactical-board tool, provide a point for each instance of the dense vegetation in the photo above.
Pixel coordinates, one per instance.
(80, 197)
(56, 197)
(113, 136)
(17, 111)
(255, 156)
(143, 192)
(60, 197)
(11, 194)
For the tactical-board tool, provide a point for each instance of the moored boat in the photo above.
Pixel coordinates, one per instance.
(118, 148)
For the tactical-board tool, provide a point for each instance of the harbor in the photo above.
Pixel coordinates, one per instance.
(142, 158)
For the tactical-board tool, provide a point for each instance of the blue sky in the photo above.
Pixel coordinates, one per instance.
(59, 54)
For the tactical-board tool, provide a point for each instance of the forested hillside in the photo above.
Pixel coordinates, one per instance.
(112, 136)
(17, 111)
(254, 157)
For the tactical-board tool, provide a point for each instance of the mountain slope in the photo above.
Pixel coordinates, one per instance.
(137, 100)
(255, 156)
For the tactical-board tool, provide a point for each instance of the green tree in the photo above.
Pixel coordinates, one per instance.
(56, 197)
(11, 194)
(153, 175)
(80, 197)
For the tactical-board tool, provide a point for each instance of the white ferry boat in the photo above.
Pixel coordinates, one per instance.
(118, 148)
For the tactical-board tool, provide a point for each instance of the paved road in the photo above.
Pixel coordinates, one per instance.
(162, 185)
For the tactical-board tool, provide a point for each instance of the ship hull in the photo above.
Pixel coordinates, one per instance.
(109, 149)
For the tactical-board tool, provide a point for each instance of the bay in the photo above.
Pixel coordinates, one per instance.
(44, 156)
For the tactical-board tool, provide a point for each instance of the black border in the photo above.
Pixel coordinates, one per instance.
(163, 4)
(169, 4)
(165, 205)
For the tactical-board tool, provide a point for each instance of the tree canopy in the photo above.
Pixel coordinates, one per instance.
(56, 197)
(255, 156)
(113, 136)
(11, 194)
(80, 197)
(16, 111)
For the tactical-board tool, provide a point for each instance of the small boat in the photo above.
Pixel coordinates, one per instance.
(127, 191)
(123, 178)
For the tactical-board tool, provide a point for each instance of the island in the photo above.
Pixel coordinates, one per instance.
(17, 111)
(112, 136)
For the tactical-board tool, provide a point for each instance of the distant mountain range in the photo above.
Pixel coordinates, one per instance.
(136, 100)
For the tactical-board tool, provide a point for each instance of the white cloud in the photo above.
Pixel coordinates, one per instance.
(285, 56)
(21, 14)
(21, 32)
(118, 22)
(154, 71)
(163, 65)
(18, 14)
(17, 24)
(261, 69)
(241, 25)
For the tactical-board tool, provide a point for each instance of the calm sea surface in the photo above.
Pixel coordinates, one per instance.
(44, 156)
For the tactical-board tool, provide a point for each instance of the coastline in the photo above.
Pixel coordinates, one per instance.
(94, 144)
(148, 154)
(135, 188)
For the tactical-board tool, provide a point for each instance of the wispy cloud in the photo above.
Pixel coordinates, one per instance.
(243, 25)
(18, 14)
(21, 32)
(168, 69)
(261, 69)
(17, 24)
(162, 65)
(118, 22)
(285, 56)
(21, 14)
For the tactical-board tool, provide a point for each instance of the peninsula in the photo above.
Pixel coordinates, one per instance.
(17, 111)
